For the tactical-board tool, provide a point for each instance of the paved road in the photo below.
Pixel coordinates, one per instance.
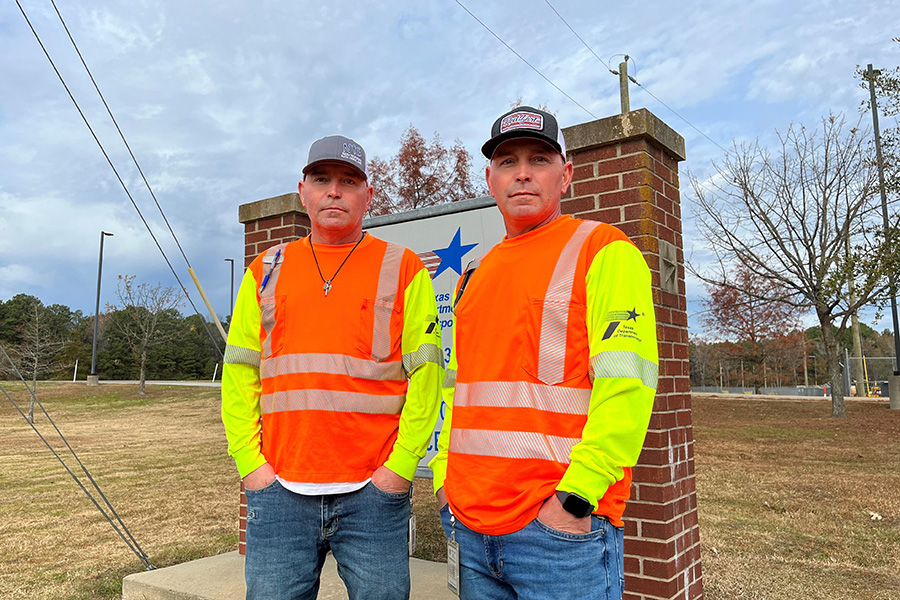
(148, 382)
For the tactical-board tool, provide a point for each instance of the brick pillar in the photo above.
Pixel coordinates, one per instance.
(626, 174)
(266, 223)
(272, 221)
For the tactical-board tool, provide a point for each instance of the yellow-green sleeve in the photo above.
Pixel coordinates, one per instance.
(241, 386)
(621, 328)
(423, 362)
(438, 464)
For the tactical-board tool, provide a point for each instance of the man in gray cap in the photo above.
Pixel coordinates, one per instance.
(549, 387)
(330, 391)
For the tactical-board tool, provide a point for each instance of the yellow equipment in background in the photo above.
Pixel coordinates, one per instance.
(874, 391)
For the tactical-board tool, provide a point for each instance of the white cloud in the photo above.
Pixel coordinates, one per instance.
(221, 101)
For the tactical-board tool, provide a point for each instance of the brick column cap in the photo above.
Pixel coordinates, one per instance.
(275, 206)
(618, 128)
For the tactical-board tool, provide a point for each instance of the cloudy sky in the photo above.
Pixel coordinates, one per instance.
(220, 101)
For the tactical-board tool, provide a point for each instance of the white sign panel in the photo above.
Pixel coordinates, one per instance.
(446, 238)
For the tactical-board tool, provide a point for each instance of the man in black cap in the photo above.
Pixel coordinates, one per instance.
(330, 392)
(549, 388)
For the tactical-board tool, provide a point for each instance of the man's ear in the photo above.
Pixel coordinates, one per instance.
(300, 191)
(568, 169)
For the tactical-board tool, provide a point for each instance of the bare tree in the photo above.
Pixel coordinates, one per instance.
(144, 305)
(422, 174)
(40, 348)
(787, 217)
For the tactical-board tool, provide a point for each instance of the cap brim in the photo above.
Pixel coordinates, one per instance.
(335, 161)
(491, 145)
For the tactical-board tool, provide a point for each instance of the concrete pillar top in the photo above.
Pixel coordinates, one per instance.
(270, 207)
(619, 128)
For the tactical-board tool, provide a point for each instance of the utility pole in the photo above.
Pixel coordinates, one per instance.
(623, 86)
(894, 384)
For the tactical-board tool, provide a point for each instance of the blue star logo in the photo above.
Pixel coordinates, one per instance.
(451, 256)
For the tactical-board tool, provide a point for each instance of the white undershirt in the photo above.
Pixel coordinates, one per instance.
(322, 489)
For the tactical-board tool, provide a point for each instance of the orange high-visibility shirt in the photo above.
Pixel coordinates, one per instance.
(342, 383)
(555, 365)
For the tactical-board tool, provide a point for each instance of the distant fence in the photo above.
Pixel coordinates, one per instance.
(800, 390)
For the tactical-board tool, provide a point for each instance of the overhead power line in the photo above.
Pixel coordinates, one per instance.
(121, 135)
(578, 36)
(522, 58)
(116, 172)
(632, 79)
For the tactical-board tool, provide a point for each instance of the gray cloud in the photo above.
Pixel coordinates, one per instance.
(220, 101)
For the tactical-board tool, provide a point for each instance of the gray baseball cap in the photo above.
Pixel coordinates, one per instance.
(337, 149)
(525, 121)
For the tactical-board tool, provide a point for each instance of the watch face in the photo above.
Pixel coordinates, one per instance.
(577, 506)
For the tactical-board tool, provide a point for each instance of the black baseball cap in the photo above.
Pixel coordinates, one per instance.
(339, 149)
(525, 121)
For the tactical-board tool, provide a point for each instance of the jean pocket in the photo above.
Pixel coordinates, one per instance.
(598, 531)
(394, 496)
(253, 492)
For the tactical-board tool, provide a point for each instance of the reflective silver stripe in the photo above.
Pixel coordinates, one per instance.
(267, 297)
(330, 400)
(521, 394)
(388, 279)
(620, 363)
(235, 355)
(512, 444)
(449, 378)
(334, 364)
(427, 353)
(555, 315)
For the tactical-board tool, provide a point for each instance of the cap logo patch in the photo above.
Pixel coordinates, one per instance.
(352, 152)
(521, 120)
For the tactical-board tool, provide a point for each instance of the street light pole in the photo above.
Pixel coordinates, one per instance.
(894, 381)
(231, 297)
(93, 379)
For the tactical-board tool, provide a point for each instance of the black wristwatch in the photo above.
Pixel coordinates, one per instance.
(575, 504)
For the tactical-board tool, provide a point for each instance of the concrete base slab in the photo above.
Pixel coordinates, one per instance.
(222, 578)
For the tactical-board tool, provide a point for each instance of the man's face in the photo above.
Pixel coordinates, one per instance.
(527, 178)
(336, 197)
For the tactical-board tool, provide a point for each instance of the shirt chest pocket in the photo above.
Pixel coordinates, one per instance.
(274, 323)
(380, 328)
(555, 330)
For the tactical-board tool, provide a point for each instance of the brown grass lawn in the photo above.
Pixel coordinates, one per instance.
(785, 494)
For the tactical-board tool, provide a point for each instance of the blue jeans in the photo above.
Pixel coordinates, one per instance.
(539, 563)
(288, 536)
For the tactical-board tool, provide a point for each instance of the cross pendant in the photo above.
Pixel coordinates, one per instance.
(327, 287)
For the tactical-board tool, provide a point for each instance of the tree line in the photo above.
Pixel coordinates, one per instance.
(46, 341)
